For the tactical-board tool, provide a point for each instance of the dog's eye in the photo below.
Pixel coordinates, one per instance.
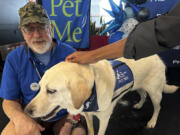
(51, 91)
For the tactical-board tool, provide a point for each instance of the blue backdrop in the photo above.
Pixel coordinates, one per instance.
(71, 20)
(157, 7)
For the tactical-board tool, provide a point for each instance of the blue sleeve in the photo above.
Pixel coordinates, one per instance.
(69, 49)
(64, 50)
(10, 88)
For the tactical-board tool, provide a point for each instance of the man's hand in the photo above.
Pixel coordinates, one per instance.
(24, 125)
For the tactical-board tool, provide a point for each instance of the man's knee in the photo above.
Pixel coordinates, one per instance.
(79, 131)
(9, 129)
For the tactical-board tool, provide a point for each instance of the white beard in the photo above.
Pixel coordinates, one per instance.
(40, 48)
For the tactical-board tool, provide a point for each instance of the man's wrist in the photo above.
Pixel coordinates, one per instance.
(96, 55)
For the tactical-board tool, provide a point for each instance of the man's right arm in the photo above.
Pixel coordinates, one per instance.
(14, 111)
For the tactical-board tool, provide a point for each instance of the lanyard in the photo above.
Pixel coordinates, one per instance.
(35, 86)
(37, 71)
(33, 63)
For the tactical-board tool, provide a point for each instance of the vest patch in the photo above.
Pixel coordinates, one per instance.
(124, 77)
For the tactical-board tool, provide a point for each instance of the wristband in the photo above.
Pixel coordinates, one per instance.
(74, 120)
(77, 117)
(69, 121)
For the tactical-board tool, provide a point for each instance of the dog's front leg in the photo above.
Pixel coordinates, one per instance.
(103, 122)
(89, 123)
(104, 117)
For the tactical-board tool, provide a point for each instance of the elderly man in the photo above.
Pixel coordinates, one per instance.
(24, 68)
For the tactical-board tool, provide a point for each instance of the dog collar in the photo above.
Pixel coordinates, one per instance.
(91, 103)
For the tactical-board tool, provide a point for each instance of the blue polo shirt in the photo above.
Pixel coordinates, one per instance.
(19, 73)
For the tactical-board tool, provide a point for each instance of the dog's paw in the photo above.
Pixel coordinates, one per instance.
(151, 124)
(137, 106)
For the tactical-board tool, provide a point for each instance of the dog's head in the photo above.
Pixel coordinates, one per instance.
(64, 86)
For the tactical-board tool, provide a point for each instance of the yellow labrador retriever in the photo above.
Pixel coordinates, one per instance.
(90, 88)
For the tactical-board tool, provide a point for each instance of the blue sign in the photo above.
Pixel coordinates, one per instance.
(158, 7)
(71, 20)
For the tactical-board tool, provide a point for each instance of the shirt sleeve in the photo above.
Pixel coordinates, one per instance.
(9, 84)
(153, 36)
(69, 49)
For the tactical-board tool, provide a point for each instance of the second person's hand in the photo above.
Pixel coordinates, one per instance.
(82, 57)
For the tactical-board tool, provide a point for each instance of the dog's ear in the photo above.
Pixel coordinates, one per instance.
(79, 93)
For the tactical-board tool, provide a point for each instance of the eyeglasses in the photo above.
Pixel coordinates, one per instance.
(31, 29)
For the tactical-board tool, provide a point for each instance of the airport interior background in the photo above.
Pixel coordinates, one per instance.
(125, 120)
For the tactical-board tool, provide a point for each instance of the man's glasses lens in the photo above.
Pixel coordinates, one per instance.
(31, 30)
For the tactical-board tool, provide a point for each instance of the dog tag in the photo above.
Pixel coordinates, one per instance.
(34, 86)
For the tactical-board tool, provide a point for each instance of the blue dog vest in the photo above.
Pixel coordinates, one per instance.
(124, 78)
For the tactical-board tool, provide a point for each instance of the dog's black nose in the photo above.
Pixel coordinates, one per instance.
(29, 111)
